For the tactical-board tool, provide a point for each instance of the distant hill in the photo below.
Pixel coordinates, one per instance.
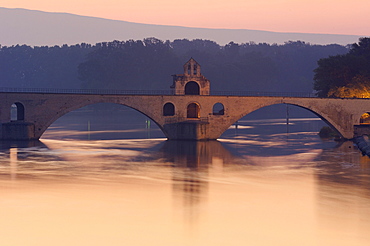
(37, 28)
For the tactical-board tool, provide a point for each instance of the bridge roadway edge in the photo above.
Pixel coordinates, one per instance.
(42, 109)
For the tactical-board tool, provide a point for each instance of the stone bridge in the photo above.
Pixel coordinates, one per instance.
(189, 113)
(178, 116)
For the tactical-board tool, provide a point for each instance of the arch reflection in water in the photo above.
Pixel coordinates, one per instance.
(13, 152)
(5, 144)
(20, 159)
(195, 154)
(192, 160)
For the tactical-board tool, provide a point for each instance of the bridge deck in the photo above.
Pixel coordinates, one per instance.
(42, 107)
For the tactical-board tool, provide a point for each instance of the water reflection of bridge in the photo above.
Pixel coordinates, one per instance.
(198, 155)
(192, 161)
(194, 165)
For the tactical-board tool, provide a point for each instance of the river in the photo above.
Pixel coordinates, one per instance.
(94, 181)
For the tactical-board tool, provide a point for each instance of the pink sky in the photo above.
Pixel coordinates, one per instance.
(306, 16)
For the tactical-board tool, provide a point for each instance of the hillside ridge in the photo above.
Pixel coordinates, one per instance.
(39, 28)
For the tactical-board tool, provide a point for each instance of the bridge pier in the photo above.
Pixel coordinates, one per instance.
(360, 130)
(18, 130)
(187, 130)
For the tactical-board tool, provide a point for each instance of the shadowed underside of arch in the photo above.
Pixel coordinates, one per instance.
(328, 119)
(323, 118)
(317, 109)
(41, 110)
(72, 108)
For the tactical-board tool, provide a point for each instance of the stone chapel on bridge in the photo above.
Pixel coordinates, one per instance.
(192, 82)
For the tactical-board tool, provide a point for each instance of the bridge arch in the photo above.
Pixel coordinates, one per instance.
(317, 110)
(62, 111)
(324, 117)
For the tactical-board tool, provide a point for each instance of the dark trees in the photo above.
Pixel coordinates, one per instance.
(345, 75)
(148, 65)
(131, 65)
(41, 67)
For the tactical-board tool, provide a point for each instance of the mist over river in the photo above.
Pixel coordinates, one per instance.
(100, 177)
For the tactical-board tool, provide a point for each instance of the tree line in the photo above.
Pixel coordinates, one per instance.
(345, 75)
(148, 65)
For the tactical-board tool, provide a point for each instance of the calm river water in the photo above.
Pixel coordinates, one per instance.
(91, 181)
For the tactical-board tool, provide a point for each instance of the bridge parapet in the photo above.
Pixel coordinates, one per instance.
(152, 92)
(86, 91)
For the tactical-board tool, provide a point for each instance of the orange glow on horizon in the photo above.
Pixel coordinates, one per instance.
(305, 16)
